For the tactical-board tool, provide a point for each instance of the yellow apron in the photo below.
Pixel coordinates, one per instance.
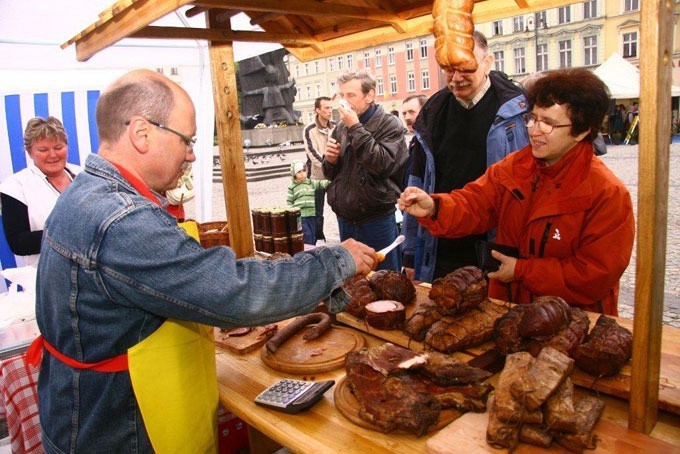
(175, 382)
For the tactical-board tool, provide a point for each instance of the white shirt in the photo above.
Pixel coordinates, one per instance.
(31, 187)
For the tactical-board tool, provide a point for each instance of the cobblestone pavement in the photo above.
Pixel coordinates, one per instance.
(621, 159)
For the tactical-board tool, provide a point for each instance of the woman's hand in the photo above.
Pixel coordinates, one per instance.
(506, 272)
(416, 202)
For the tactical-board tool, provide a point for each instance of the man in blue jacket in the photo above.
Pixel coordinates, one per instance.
(464, 128)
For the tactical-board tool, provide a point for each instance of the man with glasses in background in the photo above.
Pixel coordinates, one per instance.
(126, 301)
(558, 204)
(462, 130)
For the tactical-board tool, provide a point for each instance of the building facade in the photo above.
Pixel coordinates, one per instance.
(582, 34)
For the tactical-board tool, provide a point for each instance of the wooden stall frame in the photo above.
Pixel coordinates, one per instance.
(338, 27)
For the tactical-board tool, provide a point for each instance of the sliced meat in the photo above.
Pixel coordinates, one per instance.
(559, 409)
(385, 314)
(505, 407)
(389, 359)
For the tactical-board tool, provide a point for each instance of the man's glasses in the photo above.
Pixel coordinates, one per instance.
(188, 140)
(543, 126)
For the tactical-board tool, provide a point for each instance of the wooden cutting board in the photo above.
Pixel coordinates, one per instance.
(618, 385)
(242, 344)
(326, 353)
(467, 434)
(349, 406)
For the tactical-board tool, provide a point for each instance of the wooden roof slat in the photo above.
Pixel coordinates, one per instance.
(226, 35)
(311, 8)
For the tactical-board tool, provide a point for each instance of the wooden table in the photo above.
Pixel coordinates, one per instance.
(323, 429)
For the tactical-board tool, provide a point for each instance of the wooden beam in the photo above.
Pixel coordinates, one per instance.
(656, 50)
(265, 18)
(106, 33)
(310, 8)
(222, 35)
(225, 93)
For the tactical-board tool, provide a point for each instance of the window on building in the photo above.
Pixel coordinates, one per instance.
(390, 55)
(316, 67)
(423, 48)
(518, 24)
(159, 70)
(520, 60)
(367, 59)
(411, 81)
(298, 95)
(174, 71)
(379, 88)
(350, 62)
(499, 60)
(565, 54)
(409, 51)
(630, 44)
(378, 58)
(497, 27)
(393, 84)
(318, 90)
(306, 69)
(425, 79)
(341, 62)
(631, 5)
(590, 9)
(309, 92)
(564, 15)
(297, 70)
(542, 57)
(332, 92)
(590, 50)
(541, 19)
(331, 64)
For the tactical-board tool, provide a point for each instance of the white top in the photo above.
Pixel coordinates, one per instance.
(31, 187)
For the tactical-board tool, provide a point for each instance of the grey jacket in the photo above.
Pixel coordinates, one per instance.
(366, 178)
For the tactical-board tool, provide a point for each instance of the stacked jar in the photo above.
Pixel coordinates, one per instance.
(266, 224)
(278, 230)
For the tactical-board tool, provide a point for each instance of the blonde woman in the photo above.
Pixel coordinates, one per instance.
(29, 195)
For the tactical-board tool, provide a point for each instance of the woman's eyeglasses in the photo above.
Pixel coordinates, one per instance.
(543, 126)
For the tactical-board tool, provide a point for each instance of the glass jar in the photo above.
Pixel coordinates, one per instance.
(259, 244)
(294, 220)
(268, 244)
(278, 222)
(257, 221)
(266, 222)
(281, 244)
(297, 243)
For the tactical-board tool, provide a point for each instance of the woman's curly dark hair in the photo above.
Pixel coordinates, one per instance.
(584, 94)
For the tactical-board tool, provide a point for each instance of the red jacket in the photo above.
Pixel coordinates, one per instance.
(572, 223)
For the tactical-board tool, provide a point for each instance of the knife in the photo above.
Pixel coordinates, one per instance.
(383, 252)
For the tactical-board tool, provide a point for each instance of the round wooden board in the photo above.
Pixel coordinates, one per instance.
(299, 356)
(348, 405)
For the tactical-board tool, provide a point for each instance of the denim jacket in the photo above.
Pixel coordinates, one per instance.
(507, 134)
(113, 267)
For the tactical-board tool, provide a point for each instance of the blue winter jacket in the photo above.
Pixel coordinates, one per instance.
(507, 134)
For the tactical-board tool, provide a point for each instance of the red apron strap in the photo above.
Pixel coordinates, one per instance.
(34, 354)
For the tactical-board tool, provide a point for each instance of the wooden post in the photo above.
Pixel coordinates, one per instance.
(656, 51)
(234, 184)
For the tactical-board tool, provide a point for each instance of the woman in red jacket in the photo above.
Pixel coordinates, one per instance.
(568, 215)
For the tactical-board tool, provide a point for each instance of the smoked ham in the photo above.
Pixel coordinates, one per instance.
(385, 314)
(452, 29)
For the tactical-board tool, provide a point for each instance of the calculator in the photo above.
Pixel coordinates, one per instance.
(293, 396)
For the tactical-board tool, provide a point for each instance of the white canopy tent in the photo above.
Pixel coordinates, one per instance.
(623, 78)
